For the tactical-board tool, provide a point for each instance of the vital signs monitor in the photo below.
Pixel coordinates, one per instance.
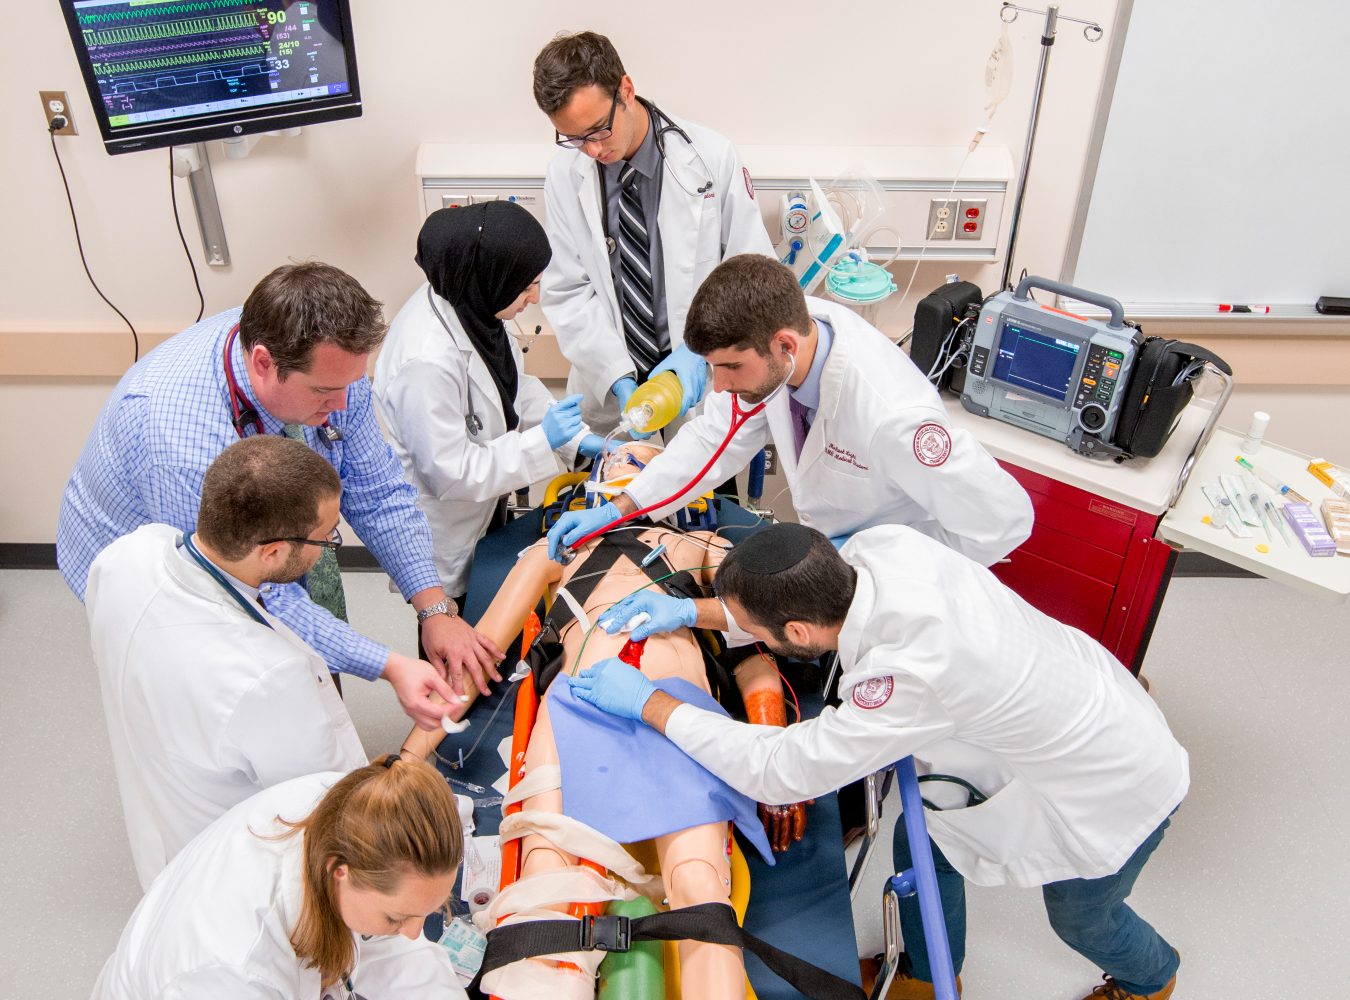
(171, 72)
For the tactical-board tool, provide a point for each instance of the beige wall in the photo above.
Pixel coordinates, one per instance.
(904, 74)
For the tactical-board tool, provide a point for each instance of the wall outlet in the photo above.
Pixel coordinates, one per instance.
(55, 102)
(970, 218)
(941, 218)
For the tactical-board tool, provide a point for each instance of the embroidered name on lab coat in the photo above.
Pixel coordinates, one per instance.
(873, 692)
(932, 444)
(839, 454)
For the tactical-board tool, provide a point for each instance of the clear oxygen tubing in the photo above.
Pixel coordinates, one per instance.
(738, 420)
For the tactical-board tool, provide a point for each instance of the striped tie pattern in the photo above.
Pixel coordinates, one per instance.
(639, 315)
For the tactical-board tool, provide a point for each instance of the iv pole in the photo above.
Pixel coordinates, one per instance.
(1093, 33)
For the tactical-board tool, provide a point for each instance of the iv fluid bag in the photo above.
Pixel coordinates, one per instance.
(998, 72)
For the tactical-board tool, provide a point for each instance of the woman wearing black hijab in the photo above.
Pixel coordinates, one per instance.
(467, 422)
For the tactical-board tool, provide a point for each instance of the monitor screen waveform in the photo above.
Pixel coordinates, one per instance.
(155, 62)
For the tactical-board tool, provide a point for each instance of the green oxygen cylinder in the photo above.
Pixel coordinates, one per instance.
(636, 974)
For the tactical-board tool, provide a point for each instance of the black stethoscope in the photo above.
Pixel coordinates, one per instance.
(658, 116)
(244, 411)
(471, 422)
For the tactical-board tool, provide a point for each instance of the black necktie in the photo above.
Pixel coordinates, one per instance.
(635, 272)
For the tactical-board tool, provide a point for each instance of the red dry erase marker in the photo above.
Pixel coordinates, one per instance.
(1243, 309)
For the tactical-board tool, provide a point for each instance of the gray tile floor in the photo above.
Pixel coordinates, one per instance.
(1251, 883)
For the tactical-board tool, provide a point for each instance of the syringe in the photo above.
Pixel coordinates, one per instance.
(1265, 477)
(1269, 508)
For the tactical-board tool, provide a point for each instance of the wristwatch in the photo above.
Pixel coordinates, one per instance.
(444, 606)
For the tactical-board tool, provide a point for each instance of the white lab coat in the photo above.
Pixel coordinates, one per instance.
(698, 232)
(859, 466)
(204, 705)
(217, 922)
(942, 661)
(425, 383)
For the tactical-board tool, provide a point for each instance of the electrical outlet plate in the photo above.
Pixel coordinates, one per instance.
(56, 102)
(941, 219)
(971, 226)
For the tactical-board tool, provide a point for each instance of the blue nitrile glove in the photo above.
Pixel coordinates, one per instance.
(614, 687)
(576, 524)
(623, 389)
(667, 614)
(591, 444)
(562, 422)
(693, 373)
(839, 541)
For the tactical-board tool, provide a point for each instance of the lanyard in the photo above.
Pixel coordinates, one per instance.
(244, 411)
(205, 564)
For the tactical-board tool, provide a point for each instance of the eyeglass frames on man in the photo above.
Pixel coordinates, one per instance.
(599, 135)
(333, 542)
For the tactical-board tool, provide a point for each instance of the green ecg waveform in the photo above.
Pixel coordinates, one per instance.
(141, 65)
(178, 8)
(170, 29)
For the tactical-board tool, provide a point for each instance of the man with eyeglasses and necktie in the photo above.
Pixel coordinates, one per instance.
(640, 207)
(209, 696)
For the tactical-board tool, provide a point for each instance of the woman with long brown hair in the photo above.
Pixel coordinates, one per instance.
(315, 886)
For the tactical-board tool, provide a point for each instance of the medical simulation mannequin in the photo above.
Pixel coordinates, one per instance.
(314, 888)
(466, 421)
(693, 862)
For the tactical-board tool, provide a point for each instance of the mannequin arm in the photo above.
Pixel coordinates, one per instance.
(762, 692)
(501, 622)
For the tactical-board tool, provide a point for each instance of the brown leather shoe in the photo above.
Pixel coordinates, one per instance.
(906, 987)
(1111, 990)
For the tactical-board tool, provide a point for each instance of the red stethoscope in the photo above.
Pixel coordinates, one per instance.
(244, 411)
(738, 419)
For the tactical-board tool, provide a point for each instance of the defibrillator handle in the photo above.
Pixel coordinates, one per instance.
(1022, 293)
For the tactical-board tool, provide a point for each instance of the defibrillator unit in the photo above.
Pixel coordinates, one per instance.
(1050, 371)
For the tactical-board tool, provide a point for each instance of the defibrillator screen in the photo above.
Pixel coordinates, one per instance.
(1035, 362)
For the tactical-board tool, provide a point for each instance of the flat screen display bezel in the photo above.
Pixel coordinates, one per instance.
(1045, 330)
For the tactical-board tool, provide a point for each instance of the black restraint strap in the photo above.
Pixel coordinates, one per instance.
(712, 923)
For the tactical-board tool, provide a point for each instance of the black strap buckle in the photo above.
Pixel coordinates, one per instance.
(605, 933)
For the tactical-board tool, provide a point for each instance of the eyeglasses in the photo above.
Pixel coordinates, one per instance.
(599, 135)
(334, 541)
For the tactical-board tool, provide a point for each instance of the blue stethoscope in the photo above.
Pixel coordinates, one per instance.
(244, 411)
(219, 577)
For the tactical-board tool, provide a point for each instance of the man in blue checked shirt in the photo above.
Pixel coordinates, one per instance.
(292, 361)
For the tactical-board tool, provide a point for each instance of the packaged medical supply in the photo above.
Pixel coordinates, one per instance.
(1337, 478)
(482, 873)
(1336, 513)
(1282, 488)
(465, 945)
(1309, 529)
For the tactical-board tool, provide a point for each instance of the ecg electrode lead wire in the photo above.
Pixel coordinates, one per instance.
(51, 134)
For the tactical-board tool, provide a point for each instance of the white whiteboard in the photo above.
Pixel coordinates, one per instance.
(1225, 166)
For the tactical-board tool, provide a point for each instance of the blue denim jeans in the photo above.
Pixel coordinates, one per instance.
(1089, 915)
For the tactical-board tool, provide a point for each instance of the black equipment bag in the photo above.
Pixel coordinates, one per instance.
(935, 318)
(1161, 386)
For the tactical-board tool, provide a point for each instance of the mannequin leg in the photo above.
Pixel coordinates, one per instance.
(695, 869)
(537, 852)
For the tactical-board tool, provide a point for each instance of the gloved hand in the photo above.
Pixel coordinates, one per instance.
(839, 541)
(562, 422)
(623, 389)
(576, 524)
(784, 824)
(591, 444)
(693, 373)
(614, 687)
(667, 614)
